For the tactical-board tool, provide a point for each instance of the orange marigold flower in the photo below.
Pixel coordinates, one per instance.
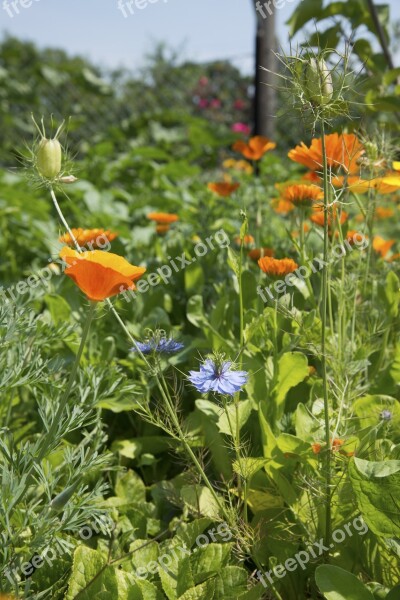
(238, 165)
(84, 237)
(383, 213)
(255, 148)
(98, 274)
(163, 218)
(277, 267)
(382, 246)
(318, 216)
(302, 195)
(162, 229)
(248, 240)
(258, 253)
(342, 150)
(316, 447)
(223, 188)
(336, 444)
(281, 206)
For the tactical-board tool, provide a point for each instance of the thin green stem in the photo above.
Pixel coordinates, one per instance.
(325, 284)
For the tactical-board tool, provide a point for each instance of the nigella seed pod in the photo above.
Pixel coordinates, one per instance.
(49, 158)
(318, 82)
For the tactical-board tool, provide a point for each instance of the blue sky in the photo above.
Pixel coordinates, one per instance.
(96, 29)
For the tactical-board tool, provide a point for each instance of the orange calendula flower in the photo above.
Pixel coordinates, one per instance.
(312, 177)
(248, 240)
(362, 186)
(277, 267)
(162, 229)
(382, 246)
(318, 216)
(281, 206)
(342, 150)
(163, 218)
(255, 148)
(383, 213)
(223, 188)
(93, 237)
(336, 444)
(238, 165)
(302, 195)
(98, 274)
(316, 447)
(258, 253)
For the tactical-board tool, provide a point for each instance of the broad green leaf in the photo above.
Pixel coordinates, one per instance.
(200, 499)
(337, 584)
(209, 560)
(304, 12)
(378, 500)
(373, 469)
(394, 594)
(130, 488)
(194, 278)
(292, 370)
(59, 308)
(195, 311)
(231, 582)
(200, 592)
(228, 425)
(392, 292)
(249, 466)
(85, 579)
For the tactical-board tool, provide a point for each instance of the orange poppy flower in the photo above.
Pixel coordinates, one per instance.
(362, 186)
(343, 151)
(248, 240)
(98, 274)
(87, 236)
(303, 195)
(223, 188)
(238, 165)
(382, 246)
(258, 253)
(255, 148)
(318, 216)
(163, 218)
(277, 267)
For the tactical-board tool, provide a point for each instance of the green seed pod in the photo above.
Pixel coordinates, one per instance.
(61, 499)
(49, 158)
(318, 82)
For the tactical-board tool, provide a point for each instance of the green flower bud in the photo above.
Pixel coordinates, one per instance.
(49, 158)
(318, 82)
(61, 499)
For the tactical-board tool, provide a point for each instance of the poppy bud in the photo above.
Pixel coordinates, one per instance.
(49, 158)
(61, 499)
(318, 82)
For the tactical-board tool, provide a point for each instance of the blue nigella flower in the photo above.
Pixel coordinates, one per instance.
(386, 415)
(162, 345)
(218, 378)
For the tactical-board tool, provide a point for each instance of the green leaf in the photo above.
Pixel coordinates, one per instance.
(200, 499)
(305, 11)
(292, 370)
(378, 500)
(130, 488)
(231, 582)
(59, 308)
(84, 579)
(394, 594)
(200, 592)
(392, 293)
(194, 278)
(337, 584)
(244, 409)
(377, 469)
(195, 312)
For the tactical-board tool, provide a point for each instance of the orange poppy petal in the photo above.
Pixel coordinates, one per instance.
(96, 281)
(105, 259)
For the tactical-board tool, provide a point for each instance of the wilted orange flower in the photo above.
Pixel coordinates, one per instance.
(257, 253)
(316, 447)
(93, 237)
(383, 213)
(163, 218)
(277, 267)
(98, 274)
(302, 195)
(343, 151)
(255, 148)
(382, 246)
(248, 240)
(238, 165)
(318, 216)
(223, 188)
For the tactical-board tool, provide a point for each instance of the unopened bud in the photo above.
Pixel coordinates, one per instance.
(61, 499)
(318, 82)
(68, 179)
(49, 158)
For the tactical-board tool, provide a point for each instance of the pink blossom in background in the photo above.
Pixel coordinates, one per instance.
(203, 80)
(241, 128)
(239, 105)
(203, 103)
(215, 103)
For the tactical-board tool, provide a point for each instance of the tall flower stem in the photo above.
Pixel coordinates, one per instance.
(71, 380)
(161, 384)
(325, 283)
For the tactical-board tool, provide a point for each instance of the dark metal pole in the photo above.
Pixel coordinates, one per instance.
(265, 81)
